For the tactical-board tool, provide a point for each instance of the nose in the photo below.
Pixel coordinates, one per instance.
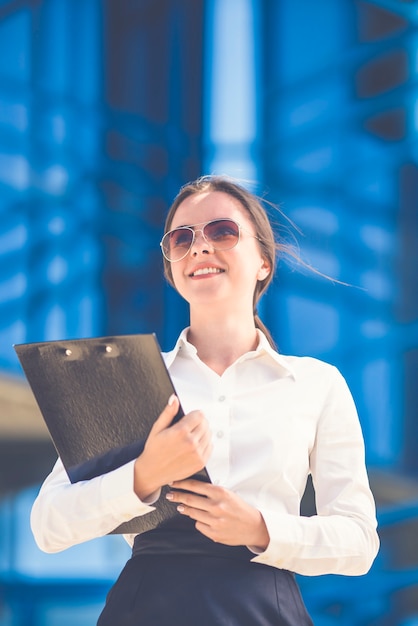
(200, 245)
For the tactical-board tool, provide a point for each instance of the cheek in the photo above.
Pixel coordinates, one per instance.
(251, 269)
(174, 277)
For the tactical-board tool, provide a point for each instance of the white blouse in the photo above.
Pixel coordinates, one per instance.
(275, 419)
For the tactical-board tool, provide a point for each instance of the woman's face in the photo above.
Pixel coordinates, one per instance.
(207, 276)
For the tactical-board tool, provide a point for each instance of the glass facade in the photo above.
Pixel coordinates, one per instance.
(107, 108)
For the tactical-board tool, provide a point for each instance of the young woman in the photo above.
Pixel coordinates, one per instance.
(259, 421)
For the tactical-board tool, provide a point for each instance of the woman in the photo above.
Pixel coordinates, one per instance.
(259, 421)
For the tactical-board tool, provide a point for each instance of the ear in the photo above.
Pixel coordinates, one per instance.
(264, 270)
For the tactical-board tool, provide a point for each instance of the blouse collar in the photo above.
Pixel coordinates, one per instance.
(183, 346)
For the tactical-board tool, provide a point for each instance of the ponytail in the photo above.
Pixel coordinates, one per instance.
(259, 324)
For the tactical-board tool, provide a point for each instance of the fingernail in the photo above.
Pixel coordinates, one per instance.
(169, 496)
(180, 508)
(171, 399)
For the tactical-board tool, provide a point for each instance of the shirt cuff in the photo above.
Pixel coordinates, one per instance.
(283, 530)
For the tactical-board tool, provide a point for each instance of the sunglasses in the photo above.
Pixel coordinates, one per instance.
(221, 234)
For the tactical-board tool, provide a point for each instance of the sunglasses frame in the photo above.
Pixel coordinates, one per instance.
(194, 230)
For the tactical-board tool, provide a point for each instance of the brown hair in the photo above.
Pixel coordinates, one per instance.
(257, 214)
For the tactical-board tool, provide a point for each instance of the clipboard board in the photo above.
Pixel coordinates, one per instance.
(99, 398)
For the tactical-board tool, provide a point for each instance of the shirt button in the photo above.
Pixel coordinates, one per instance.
(222, 398)
(220, 434)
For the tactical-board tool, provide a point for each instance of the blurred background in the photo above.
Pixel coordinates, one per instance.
(106, 109)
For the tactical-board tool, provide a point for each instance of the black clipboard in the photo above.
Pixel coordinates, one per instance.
(99, 398)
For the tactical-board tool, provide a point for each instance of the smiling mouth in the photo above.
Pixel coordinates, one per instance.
(207, 270)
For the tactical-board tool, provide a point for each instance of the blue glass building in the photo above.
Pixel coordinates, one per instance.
(106, 109)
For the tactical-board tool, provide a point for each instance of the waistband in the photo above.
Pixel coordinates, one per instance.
(181, 538)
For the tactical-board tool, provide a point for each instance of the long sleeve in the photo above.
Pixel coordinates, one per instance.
(275, 419)
(342, 537)
(66, 514)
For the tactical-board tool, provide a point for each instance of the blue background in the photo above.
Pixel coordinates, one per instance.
(106, 108)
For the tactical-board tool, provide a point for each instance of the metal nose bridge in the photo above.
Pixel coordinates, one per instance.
(204, 238)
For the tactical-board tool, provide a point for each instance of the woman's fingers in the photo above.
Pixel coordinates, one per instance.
(195, 486)
(166, 416)
(172, 452)
(219, 513)
(195, 497)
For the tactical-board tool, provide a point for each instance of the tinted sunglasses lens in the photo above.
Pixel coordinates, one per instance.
(222, 234)
(176, 243)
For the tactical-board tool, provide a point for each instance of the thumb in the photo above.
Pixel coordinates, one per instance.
(167, 415)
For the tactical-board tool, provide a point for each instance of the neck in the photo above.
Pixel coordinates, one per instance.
(221, 340)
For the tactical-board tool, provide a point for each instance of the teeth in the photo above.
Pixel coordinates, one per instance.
(207, 270)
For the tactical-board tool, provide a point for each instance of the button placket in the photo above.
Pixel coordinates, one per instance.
(220, 424)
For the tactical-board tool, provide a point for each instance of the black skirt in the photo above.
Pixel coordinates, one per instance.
(178, 577)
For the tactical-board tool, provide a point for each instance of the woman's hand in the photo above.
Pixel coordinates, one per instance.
(220, 514)
(172, 452)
